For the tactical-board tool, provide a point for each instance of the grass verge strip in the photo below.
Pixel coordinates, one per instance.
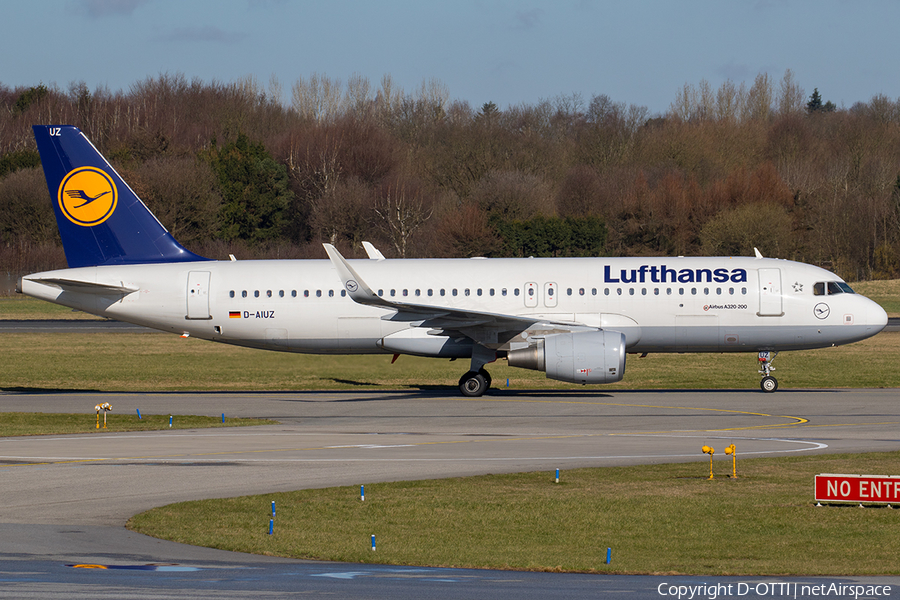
(15, 424)
(657, 519)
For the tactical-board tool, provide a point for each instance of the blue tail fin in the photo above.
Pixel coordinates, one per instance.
(101, 220)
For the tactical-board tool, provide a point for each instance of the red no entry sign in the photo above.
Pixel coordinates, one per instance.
(884, 489)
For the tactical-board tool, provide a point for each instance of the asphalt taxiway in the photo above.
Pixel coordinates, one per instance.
(64, 499)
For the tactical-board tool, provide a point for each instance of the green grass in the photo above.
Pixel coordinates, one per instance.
(658, 519)
(885, 292)
(163, 362)
(20, 307)
(13, 424)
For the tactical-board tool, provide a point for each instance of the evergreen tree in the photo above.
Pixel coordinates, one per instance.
(254, 190)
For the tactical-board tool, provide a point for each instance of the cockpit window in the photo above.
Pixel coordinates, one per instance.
(843, 287)
(830, 288)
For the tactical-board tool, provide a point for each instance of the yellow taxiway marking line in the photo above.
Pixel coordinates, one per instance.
(798, 420)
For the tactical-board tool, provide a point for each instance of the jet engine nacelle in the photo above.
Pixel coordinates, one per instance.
(578, 357)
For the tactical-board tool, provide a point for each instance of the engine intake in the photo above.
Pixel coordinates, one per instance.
(578, 357)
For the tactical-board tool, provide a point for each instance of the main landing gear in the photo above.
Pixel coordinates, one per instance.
(768, 384)
(474, 384)
(477, 381)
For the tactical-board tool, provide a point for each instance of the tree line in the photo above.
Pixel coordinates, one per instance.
(232, 168)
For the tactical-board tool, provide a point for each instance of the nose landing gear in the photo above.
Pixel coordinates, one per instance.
(768, 384)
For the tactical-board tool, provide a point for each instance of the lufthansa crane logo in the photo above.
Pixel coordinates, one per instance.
(87, 196)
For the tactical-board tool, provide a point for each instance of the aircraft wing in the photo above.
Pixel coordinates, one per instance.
(483, 327)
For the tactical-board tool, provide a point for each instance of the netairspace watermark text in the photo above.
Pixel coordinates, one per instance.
(786, 589)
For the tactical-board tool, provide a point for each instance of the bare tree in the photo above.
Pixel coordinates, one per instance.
(401, 209)
(759, 99)
(790, 96)
(318, 98)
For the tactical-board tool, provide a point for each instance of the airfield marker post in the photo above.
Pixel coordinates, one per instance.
(223, 417)
(557, 476)
(608, 555)
(373, 543)
(271, 526)
(709, 450)
(273, 509)
(170, 420)
(139, 414)
(105, 407)
(732, 451)
(362, 493)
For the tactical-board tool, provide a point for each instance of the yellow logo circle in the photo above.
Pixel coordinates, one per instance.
(87, 196)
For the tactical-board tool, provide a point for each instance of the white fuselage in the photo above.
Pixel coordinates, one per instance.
(659, 304)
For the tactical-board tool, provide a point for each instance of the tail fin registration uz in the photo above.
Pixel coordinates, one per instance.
(101, 220)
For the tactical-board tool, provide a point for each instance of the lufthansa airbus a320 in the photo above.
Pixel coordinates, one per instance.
(572, 318)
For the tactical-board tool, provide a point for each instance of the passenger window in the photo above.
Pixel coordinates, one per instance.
(467, 292)
(293, 293)
(581, 291)
(718, 291)
(393, 293)
(744, 291)
(694, 291)
(454, 292)
(606, 291)
(706, 291)
(503, 292)
(381, 293)
(331, 293)
(593, 291)
(478, 292)
(619, 291)
(530, 292)
(430, 292)
(405, 293)
(418, 293)
(643, 291)
(681, 291)
(631, 291)
(318, 293)
(569, 292)
(268, 293)
(550, 292)
(516, 292)
(443, 292)
(731, 291)
(492, 292)
(819, 288)
(656, 291)
(231, 294)
(668, 291)
(306, 293)
(281, 293)
(343, 293)
(244, 294)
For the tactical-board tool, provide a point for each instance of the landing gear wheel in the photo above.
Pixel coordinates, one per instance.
(768, 384)
(487, 377)
(473, 384)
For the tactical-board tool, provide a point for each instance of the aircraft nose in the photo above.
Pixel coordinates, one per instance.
(876, 317)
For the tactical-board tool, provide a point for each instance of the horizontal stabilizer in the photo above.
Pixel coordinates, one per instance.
(85, 287)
